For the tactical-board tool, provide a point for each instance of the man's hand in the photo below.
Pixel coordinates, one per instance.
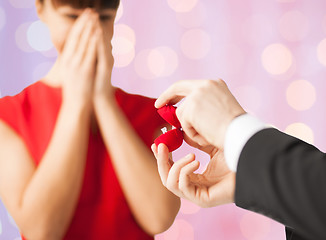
(214, 187)
(207, 110)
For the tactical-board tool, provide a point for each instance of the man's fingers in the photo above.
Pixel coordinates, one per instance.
(176, 92)
(172, 182)
(204, 146)
(185, 186)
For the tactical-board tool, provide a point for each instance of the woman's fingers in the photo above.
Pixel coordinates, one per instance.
(85, 38)
(91, 49)
(104, 66)
(101, 47)
(105, 58)
(73, 38)
(154, 150)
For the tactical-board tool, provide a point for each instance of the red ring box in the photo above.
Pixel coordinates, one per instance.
(172, 139)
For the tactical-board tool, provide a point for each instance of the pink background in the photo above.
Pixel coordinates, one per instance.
(271, 53)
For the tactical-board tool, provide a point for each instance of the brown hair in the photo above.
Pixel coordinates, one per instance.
(80, 4)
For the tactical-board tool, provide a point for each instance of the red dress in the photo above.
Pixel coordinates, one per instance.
(102, 211)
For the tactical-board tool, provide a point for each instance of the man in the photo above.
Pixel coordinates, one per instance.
(269, 172)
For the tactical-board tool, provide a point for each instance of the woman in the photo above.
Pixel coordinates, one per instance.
(74, 159)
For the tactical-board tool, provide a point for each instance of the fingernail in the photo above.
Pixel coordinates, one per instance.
(189, 156)
(159, 147)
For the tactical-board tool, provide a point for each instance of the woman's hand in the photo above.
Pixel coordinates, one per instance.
(215, 186)
(77, 63)
(103, 87)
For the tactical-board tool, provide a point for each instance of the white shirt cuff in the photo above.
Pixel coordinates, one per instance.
(240, 130)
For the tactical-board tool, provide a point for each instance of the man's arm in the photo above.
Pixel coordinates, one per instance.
(282, 177)
(277, 175)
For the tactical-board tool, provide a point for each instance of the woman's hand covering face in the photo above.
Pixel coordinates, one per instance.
(86, 62)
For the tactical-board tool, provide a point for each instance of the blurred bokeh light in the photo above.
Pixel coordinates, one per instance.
(272, 54)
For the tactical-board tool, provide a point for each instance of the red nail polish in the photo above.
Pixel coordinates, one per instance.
(172, 139)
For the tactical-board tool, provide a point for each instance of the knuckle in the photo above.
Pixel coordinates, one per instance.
(221, 82)
(207, 86)
(213, 83)
(209, 83)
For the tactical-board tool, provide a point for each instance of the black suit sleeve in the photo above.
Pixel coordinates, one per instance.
(284, 178)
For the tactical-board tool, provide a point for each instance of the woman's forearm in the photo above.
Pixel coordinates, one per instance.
(51, 196)
(152, 205)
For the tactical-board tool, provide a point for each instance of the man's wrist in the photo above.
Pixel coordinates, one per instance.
(239, 131)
